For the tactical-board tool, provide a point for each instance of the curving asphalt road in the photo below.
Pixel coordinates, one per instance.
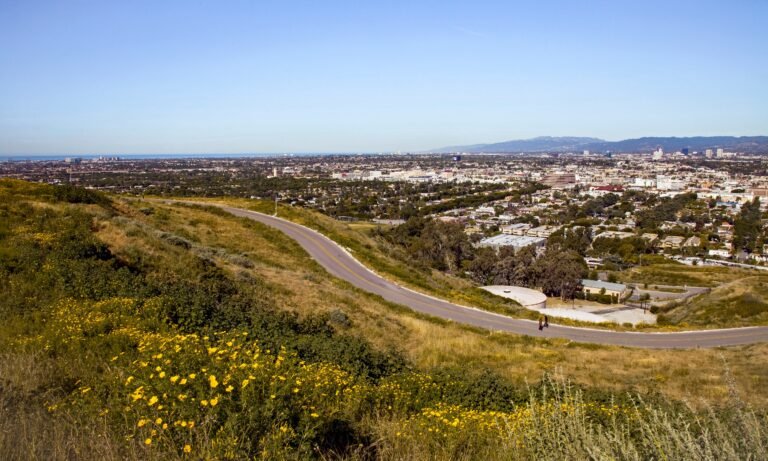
(343, 265)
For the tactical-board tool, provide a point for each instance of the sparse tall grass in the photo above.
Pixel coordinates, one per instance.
(29, 431)
(558, 423)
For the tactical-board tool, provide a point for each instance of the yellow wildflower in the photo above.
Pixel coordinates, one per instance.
(212, 381)
(152, 400)
(187, 448)
(148, 441)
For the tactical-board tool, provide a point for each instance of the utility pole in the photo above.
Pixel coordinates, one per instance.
(275, 205)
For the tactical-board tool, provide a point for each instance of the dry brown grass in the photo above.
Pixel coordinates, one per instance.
(29, 431)
(680, 274)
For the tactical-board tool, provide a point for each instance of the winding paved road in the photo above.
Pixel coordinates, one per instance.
(340, 263)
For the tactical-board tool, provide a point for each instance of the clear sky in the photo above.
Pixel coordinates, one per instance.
(163, 76)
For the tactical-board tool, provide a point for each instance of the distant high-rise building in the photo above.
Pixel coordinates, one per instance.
(720, 152)
(658, 154)
(586, 153)
(685, 151)
(708, 153)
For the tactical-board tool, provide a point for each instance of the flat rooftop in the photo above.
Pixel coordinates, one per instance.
(525, 296)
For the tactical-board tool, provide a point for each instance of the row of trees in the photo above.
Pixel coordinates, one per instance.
(557, 272)
(444, 246)
(432, 243)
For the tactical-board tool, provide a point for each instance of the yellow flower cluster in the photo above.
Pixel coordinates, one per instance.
(176, 385)
(175, 389)
(72, 321)
(444, 420)
(43, 238)
(407, 392)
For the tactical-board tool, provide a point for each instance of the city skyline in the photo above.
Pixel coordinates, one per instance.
(183, 78)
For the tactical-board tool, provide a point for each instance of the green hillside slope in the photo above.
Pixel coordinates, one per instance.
(142, 330)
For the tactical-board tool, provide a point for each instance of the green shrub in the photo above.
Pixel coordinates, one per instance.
(74, 194)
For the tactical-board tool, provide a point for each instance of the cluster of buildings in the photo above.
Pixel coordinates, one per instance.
(418, 175)
(725, 182)
(720, 193)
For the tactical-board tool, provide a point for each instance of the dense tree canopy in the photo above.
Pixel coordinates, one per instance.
(747, 227)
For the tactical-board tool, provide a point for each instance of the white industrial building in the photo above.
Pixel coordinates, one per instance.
(515, 241)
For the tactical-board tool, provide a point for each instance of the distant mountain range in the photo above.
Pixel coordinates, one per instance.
(749, 144)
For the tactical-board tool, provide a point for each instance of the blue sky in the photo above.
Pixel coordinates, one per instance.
(323, 76)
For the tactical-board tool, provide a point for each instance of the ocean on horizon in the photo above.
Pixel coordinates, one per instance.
(62, 157)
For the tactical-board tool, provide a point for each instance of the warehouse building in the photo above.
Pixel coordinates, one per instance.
(617, 290)
(517, 242)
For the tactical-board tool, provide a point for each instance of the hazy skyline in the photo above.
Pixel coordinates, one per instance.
(231, 77)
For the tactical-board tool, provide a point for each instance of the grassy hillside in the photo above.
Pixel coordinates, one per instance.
(705, 311)
(138, 330)
(738, 296)
(680, 274)
(388, 260)
(741, 302)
